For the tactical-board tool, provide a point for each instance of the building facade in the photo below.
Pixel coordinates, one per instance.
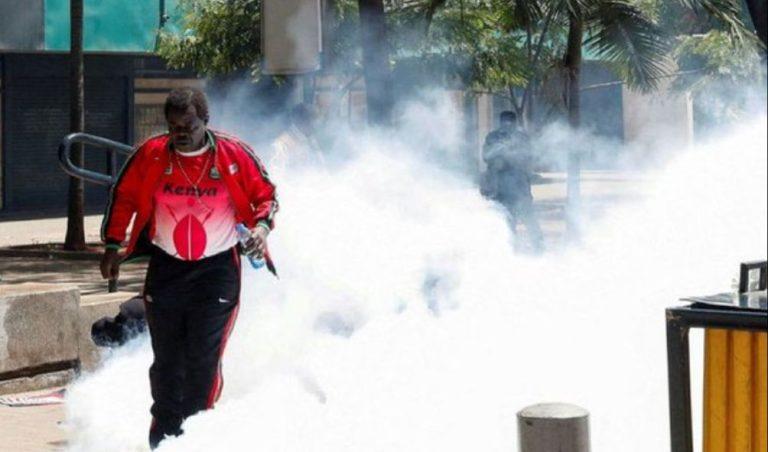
(125, 86)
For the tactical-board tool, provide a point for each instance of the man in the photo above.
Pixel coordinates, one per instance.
(507, 140)
(298, 146)
(506, 153)
(186, 190)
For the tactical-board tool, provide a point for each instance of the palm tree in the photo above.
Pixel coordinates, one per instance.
(758, 11)
(619, 34)
(617, 31)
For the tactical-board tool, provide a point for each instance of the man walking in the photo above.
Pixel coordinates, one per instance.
(506, 153)
(186, 190)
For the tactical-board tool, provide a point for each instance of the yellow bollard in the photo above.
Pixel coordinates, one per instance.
(735, 391)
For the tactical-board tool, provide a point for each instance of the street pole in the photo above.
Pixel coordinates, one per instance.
(75, 236)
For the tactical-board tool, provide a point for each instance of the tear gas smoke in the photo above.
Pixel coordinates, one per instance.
(404, 322)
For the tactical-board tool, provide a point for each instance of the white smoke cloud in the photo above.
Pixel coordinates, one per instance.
(403, 321)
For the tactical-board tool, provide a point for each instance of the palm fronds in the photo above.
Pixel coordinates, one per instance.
(727, 12)
(620, 34)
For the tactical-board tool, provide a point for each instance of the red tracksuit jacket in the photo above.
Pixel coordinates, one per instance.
(252, 193)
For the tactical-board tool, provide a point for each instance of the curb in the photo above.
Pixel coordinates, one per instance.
(50, 254)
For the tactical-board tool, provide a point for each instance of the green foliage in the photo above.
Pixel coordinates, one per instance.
(622, 35)
(723, 71)
(726, 13)
(490, 45)
(710, 44)
(487, 45)
(714, 57)
(456, 44)
(219, 37)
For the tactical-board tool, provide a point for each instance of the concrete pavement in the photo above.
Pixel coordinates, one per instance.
(48, 230)
(83, 273)
(32, 429)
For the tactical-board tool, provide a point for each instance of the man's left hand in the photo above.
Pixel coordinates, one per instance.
(257, 244)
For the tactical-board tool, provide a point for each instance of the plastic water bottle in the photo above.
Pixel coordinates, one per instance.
(243, 235)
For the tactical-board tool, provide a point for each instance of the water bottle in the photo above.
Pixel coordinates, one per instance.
(243, 235)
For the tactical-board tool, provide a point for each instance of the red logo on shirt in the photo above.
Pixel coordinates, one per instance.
(189, 236)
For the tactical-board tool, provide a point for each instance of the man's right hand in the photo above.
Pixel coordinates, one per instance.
(110, 264)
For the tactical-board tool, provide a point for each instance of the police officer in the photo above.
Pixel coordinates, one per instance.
(507, 179)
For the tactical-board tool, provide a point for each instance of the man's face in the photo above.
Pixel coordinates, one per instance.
(187, 130)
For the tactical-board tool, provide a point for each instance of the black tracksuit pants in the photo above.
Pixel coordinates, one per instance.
(191, 308)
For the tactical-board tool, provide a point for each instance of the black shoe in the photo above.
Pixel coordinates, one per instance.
(158, 432)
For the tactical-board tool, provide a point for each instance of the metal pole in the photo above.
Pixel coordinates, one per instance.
(573, 190)
(679, 374)
(112, 164)
(163, 14)
(550, 427)
(573, 62)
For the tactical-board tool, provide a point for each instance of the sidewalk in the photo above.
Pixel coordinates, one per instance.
(32, 429)
(27, 232)
(83, 273)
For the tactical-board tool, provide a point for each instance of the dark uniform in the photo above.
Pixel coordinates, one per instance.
(508, 180)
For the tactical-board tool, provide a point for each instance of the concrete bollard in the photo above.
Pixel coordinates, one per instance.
(553, 427)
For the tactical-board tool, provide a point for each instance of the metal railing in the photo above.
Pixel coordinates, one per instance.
(112, 147)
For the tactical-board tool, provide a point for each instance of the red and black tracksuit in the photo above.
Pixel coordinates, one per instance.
(184, 210)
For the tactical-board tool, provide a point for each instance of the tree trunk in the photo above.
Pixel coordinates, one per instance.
(573, 70)
(573, 101)
(759, 14)
(432, 8)
(75, 237)
(526, 105)
(378, 80)
(329, 24)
